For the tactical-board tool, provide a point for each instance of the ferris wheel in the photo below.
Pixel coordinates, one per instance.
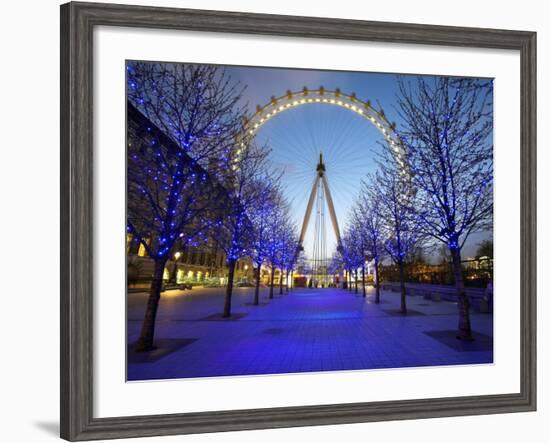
(320, 143)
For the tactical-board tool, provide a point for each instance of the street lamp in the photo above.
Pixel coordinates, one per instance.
(177, 255)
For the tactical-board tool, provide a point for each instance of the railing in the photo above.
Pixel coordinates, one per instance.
(479, 297)
(476, 273)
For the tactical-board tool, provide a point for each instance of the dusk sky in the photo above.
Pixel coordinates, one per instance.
(297, 136)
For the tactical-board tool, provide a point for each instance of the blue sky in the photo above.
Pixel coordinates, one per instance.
(297, 136)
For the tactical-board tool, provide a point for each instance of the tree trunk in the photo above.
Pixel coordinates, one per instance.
(229, 289)
(356, 281)
(376, 280)
(272, 283)
(344, 281)
(363, 274)
(281, 282)
(349, 280)
(464, 327)
(257, 291)
(145, 341)
(403, 290)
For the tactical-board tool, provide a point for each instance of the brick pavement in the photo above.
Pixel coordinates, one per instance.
(307, 330)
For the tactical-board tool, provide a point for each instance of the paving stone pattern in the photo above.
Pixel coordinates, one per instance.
(307, 330)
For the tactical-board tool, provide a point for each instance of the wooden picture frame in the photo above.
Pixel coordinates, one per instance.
(77, 23)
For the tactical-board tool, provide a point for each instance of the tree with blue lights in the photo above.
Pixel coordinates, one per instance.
(292, 255)
(278, 225)
(355, 237)
(396, 206)
(352, 253)
(234, 232)
(336, 266)
(287, 256)
(346, 259)
(260, 217)
(371, 227)
(174, 178)
(448, 136)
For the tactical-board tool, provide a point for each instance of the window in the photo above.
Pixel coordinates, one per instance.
(129, 238)
(142, 252)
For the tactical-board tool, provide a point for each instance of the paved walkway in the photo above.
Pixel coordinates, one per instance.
(307, 330)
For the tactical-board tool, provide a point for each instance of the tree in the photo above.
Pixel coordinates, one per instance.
(352, 253)
(173, 182)
(447, 134)
(302, 264)
(259, 215)
(358, 247)
(234, 233)
(397, 203)
(336, 265)
(372, 226)
(277, 227)
(288, 249)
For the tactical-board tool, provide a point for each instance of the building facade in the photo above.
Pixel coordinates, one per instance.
(194, 265)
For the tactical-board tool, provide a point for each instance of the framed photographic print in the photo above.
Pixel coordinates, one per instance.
(273, 221)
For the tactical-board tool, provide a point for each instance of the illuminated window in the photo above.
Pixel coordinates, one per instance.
(129, 238)
(142, 252)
